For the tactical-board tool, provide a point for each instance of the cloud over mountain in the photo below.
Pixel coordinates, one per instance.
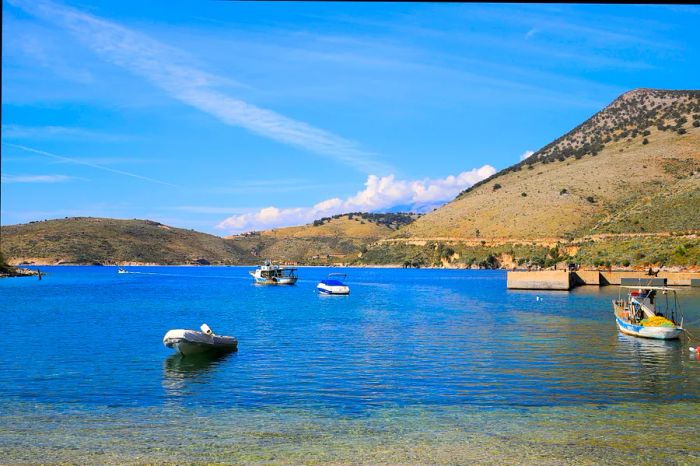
(380, 193)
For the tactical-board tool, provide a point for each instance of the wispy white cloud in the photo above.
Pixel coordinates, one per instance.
(526, 154)
(559, 27)
(45, 53)
(86, 163)
(106, 161)
(7, 178)
(531, 33)
(380, 193)
(167, 68)
(56, 132)
(570, 21)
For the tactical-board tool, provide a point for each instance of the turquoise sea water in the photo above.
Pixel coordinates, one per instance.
(414, 366)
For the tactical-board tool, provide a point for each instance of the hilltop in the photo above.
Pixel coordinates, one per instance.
(641, 152)
(88, 240)
(631, 169)
(330, 239)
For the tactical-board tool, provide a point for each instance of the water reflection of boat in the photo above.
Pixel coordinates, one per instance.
(648, 346)
(268, 274)
(179, 371)
(653, 366)
(639, 314)
(179, 367)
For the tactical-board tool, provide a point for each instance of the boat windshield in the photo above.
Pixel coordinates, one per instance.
(332, 283)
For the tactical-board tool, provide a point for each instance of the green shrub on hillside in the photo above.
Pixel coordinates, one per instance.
(642, 251)
(618, 252)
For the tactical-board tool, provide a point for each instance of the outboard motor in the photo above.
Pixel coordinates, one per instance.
(206, 330)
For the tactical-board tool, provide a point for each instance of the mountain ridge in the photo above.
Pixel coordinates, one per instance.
(596, 144)
(577, 181)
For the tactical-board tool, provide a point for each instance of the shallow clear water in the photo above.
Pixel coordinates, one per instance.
(413, 366)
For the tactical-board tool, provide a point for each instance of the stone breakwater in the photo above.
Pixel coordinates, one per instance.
(9, 271)
(566, 280)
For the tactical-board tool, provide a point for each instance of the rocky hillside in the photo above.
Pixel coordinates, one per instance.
(327, 240)
(633, 167)
(87, 240)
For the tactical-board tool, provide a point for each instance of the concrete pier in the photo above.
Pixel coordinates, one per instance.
(679, 278)
(541, 280)
(585, 277)
(565, 280)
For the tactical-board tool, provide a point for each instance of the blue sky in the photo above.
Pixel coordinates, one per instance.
(232, 116)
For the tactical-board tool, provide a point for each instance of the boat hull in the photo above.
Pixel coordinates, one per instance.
(657, 333)
(188, 342)
(333, 289)
(276, 281)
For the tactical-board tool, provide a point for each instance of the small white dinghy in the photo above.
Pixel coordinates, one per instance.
(192, 342)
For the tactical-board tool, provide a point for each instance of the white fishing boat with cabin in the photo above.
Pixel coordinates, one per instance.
(269, 274)
(641, 313)
(188, 342)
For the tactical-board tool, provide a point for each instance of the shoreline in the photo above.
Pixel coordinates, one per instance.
(671, 269)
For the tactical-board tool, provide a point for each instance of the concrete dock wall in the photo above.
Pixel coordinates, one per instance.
(586, 277)
(615, 278)
(679, 278)
(540, 280)
(672, 278)
(644, 281)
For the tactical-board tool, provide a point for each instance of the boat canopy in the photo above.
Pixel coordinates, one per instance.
(642, 287)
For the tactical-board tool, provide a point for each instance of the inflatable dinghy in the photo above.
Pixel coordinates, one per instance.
(193, 342)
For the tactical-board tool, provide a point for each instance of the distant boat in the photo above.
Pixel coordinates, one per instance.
(121, 270)
(268, 274)
(192, 342)
(333, 285)
(639, 314)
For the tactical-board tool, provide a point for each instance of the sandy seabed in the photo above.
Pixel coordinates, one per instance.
(581, 434)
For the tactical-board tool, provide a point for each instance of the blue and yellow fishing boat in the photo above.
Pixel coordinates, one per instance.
(645, 313)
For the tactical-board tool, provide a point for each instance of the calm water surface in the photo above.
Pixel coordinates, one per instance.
(413, 366)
